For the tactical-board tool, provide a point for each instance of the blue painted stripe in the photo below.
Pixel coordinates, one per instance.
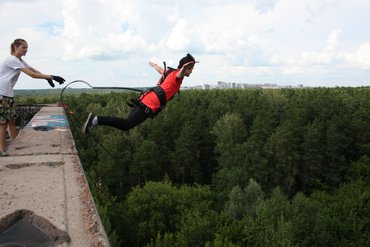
(48, 120)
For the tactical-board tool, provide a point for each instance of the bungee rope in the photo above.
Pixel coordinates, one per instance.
(89, 85)
(80, 124)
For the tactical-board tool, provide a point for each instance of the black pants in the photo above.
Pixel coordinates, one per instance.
(136, 117)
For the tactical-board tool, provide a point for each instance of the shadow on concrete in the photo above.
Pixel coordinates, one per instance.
(24, 228)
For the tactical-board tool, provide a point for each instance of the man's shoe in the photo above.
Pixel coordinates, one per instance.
(3, 154)
(88, 124)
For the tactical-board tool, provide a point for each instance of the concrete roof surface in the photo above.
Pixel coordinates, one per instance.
(42, 181)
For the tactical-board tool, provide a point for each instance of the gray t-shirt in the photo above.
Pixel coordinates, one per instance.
(9, 73)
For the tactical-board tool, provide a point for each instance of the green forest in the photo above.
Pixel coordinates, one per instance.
(236, 167)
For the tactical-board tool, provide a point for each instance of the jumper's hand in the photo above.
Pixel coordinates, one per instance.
(189, 65)
(156, 67)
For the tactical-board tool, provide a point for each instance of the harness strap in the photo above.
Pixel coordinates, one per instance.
(158, 90)
(136, 102)
(164, 73)
(160, 94)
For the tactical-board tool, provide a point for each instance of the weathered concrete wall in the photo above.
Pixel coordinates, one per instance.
(42, 181)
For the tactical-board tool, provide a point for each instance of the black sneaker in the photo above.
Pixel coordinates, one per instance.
(88, 124)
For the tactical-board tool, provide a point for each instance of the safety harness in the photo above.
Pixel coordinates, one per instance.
(158, 90)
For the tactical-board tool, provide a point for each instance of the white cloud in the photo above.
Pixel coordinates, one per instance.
(180, 36)
(112, 40)
(360, 57)
(317, 7)
(264, 6)
(333, 41)
(292, 70)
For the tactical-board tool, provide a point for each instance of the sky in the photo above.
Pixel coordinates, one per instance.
(323, 43)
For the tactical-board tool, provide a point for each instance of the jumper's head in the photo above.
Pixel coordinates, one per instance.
(186, 59)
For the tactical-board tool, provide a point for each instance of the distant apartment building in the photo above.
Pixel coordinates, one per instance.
(226, 85)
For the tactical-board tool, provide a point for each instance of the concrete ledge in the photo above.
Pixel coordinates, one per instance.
(43, 175)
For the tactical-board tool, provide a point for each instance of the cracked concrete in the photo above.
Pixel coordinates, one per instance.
(43, 175)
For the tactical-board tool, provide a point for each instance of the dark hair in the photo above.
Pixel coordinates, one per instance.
(185, 60)
(16, 43)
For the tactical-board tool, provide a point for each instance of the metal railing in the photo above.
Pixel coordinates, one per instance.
(25, 113)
